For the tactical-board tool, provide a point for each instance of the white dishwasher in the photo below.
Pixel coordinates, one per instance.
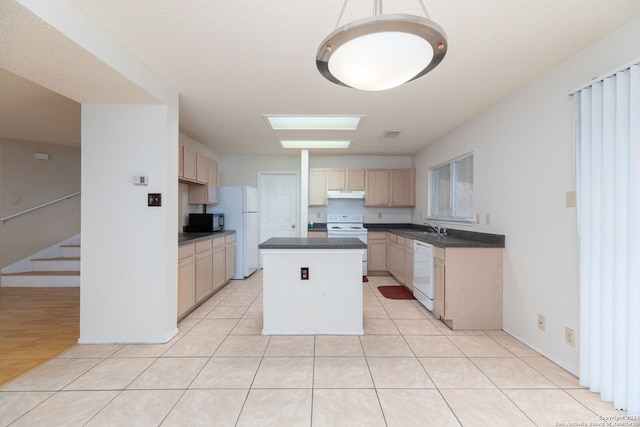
(423, 273)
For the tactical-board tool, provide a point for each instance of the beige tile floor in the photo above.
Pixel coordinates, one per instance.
(407, 370)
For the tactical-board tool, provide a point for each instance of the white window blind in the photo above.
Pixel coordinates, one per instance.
(452, 189)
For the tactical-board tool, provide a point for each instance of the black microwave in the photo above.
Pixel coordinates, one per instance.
(201, 223)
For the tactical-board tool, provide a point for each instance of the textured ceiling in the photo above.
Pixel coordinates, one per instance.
(233, 61)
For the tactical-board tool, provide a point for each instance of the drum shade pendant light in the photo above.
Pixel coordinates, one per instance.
(382, 51)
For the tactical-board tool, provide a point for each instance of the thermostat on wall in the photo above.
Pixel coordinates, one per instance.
(140, 180)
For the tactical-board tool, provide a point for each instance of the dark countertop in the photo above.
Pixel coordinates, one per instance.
(454, 238)
(312, 243)
(184, 238)
(318, 226)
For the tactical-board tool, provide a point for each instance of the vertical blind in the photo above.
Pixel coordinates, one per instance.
(607, 129)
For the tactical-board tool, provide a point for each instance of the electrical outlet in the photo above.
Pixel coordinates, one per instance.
(304, 273)
(487, 219)
(319, 215)
(570, 336)
(570, 199)
(477, 218)
(541, 322)
(379, 215)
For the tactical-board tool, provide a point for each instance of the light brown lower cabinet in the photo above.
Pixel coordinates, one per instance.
(467, 281)
(230, 255)
(315, 233)
(219, 263)
(377, 251)
(408, 264)
(468, 287)
(203, 268)
(186, 278)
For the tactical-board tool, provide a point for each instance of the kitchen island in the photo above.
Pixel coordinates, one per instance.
(312, 286)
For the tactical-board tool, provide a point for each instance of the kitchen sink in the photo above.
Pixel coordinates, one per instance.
(422, 233)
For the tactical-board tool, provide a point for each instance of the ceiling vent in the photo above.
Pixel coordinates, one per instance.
(390, 134)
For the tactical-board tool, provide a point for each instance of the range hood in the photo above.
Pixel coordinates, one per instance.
(342, 194)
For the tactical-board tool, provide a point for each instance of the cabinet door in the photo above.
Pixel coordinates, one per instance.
(317, 187)
(377, 255)
(408, 263)
(377, 187)
(400, 263)
(230, 260)
(219, 268)
(186, 285)
(188, 163)
(208, 193)
(355, 179)
(392, 260)
(202, 168)
(439, 288)
(204, 272)
(337, 179)
(402, 191)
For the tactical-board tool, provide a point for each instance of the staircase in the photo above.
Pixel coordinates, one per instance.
(62, 271)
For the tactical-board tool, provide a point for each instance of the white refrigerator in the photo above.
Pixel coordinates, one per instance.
(240, 208)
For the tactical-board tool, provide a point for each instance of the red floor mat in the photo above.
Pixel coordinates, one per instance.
(395, 292)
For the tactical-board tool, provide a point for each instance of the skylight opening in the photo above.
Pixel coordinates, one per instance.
(313, 122)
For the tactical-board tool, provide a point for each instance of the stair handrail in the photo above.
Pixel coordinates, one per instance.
(35, 208)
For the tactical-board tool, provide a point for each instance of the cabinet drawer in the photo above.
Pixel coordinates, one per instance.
(392, 237)
(401, 240)
(408, 243)
(438, 252)
(218, 241)
(186, 251)
(230, 238)
(203, 245)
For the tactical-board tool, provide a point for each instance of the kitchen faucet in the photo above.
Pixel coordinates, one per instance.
(436, 228)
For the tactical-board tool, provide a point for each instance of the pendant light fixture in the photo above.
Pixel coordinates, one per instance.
(382, 51)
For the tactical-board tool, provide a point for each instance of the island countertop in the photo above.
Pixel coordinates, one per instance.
(312, 243)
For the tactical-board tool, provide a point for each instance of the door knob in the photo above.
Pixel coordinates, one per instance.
(293, 226)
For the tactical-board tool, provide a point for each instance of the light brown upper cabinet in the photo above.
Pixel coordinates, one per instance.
(317, 187)
(390, 187)
(189, 163)
(377, 187)
(208, 193)
(193, 166)
(403, 187)
(346, 179)
(202, 168)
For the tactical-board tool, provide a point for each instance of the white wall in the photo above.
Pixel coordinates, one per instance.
(129, 251)
(26, 182)
(127, 294)
(523, 166)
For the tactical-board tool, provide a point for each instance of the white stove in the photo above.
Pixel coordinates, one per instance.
(348, 225)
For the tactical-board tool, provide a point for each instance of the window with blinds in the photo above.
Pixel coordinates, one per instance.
(452, 189)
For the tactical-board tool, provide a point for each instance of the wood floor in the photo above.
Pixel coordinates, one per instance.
(36, 325)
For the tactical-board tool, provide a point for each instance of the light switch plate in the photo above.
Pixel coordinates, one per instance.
(571, 199)
(154, 199)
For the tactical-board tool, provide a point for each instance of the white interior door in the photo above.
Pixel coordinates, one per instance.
(278, 194)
